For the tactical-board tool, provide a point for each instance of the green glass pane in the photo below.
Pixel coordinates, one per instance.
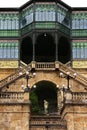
(78, 45)
(12, 45)
(85, 45)
(1, 44)
(9, 45)
(9, 33)
(81, 45)
(38, 9)
(4, 45)
(74, 45)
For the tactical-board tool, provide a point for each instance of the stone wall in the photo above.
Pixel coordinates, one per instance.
(16, 115)
(76, 117)
(14, 111)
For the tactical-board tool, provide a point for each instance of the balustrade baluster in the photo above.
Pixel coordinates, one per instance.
(79, 97)
(11, 96)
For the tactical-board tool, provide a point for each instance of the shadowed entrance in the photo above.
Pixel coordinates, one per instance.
(45, 90)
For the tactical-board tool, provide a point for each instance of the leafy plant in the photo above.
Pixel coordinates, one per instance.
(34, 102)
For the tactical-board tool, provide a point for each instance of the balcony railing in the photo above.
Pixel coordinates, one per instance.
(13, 97)
(13, 77)
(45, 66)
(77, 98)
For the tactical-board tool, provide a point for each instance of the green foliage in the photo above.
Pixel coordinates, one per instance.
(34, 103)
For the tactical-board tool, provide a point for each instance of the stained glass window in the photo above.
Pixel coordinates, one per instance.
(26, 16)
(82, 50)
(9, 49)
(45, 12)
(74, 52)
(79, 49)
(85, 50)
(79, 20)
(9, 21)
(1, 50)
(63, 16)
(9, 24)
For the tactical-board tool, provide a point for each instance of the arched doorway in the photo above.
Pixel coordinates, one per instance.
(26, 50)
(64, 50)
(45, 90)
(45, 48)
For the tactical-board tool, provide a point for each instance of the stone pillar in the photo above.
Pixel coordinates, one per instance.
(68, 96)
(33, 46)
(56, 42)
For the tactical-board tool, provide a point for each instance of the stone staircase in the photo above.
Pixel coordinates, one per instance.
(42, 66)
(64, 69)
(47, 122)
(15, 76)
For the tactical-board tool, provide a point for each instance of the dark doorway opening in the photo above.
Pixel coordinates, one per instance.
(45, 90)
(64, 50)
(45, 48)
(26, 50)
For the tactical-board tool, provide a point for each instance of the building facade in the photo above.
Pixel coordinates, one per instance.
(50, 38)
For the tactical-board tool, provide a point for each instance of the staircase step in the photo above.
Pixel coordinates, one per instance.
(48, 122)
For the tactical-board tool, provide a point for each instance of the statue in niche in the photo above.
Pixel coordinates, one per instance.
(46, 106)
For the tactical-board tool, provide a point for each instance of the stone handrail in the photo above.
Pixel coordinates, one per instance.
(12, 97)
(10, 79)
(79, 97)
(45, 66)
(63, 68)
(22, 64)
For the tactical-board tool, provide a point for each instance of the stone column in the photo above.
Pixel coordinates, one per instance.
(33, 46)
(56, 42)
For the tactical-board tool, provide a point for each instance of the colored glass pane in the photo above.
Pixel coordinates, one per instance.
(45, 13)
(9, 49)
(78, 50)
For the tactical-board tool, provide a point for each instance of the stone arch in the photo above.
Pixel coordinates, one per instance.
(64, 49)
(45, 90)
(26, 50)
(45, 48)
(40, 75)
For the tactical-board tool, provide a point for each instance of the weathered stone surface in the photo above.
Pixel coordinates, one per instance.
(16, 116)
(76, 117)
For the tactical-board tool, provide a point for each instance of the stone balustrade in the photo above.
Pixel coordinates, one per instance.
(14, 97)
(10, 79)
(77, 98)
(45, 66)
